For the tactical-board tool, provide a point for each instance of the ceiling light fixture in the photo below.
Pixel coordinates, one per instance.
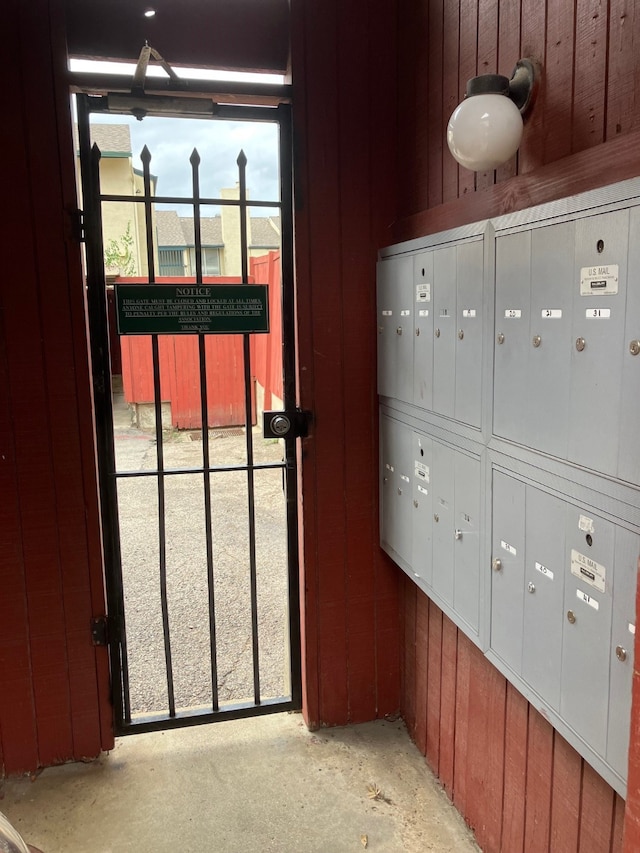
(149, 13)
(485, 130)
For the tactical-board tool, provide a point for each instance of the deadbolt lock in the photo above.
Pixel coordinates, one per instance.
(289, 424)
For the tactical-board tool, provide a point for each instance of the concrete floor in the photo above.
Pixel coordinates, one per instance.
(265, 784)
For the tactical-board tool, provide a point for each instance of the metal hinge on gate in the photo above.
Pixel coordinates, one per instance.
(288, 424)
(100, 631)
(77, 225)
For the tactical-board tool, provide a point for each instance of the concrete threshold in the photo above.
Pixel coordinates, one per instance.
(263, 784)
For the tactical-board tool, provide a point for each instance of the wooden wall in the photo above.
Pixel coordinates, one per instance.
(343, 66)
(520, 785)
(53, 684)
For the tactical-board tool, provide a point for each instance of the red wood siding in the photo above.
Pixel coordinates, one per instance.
(54, 683)
(267, 349)
(519, 784)
(344, 93)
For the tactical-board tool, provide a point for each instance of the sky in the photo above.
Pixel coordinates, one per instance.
(171, 142)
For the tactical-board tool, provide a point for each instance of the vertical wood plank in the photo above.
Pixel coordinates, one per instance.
(487, 61)
(485, 748)
(618, 825)
(468, 57)
(596, 816)
(533, 18)
(623, 77)
(448, 704)
(450, 92)
(325, 280)
(409, 691)
(508, 55)
(434, 687)
(565, 798)
(435, 119)
(422, 670)
(515, 770)
(538, 794)
(358, 300)
(558, 82)
(589, 93)
(461, 746)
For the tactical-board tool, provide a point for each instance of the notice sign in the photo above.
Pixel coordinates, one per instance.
(190, 309)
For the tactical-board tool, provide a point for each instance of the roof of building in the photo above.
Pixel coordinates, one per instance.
(112, 139)
(176, 231)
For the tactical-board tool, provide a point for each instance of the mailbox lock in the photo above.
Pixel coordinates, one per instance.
(500, 338)
(457, 534)
(415, 503)
(436, 517)
(399, 330)
(460, 334)
(496, 564)
(537, 340)
(380, 330)
(417, 333)
(571, 616)
(437, 333)
(399, 490)
(580, 344)
(531, 586)
(634, 347)
(621, 653)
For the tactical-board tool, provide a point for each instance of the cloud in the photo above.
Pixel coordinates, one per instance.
(171, 143)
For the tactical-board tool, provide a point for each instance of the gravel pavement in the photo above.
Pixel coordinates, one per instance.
(187, 588)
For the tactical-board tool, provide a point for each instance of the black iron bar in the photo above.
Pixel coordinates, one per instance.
(170, 199)
(244, 253)
(290, 397)
(103, 404)
(204, 408)
(213, 469)
(145, 156)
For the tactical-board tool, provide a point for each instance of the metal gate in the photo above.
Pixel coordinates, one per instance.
(148, 487)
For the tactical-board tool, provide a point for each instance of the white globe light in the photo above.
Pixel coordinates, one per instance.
(484, 131)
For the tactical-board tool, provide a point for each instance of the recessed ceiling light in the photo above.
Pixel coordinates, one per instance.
(149, 13)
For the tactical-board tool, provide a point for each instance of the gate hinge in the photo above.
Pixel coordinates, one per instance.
(77, 225)
(100, 631)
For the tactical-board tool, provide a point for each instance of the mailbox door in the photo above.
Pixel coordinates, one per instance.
(597, 340)
(423, 331)
(444, 331)
(466, 537)
(543, 595)
(443, 486)
(513, 278)
(422, 559)
(586, 640)
(468, 331)
(507, 579)
(623, 625)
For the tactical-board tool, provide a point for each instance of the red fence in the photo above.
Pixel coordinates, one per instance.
(179, 361)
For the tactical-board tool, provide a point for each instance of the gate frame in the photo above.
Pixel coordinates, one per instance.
(98, 327)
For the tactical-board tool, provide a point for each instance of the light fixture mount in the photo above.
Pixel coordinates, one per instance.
(519, 88)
